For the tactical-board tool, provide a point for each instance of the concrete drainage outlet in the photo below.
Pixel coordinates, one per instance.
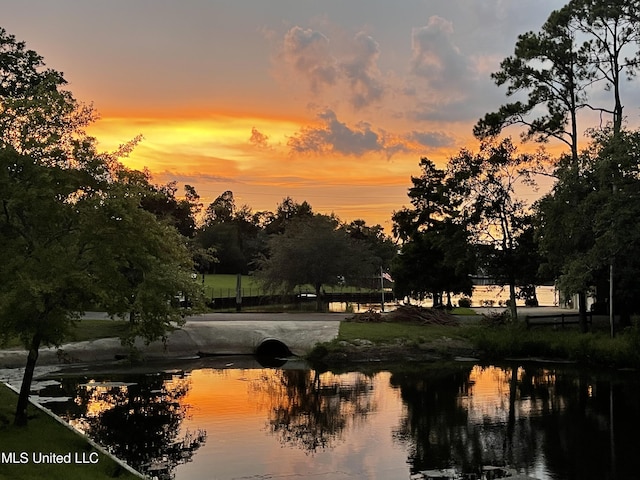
(271, 347)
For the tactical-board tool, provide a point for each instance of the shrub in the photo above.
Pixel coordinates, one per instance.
(496, 318)
(464, 302)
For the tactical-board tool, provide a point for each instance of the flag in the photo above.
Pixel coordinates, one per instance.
(387, 277)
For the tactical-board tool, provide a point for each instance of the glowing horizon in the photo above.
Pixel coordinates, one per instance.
(252, 157)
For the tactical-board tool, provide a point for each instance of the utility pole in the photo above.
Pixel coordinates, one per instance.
(611, 324)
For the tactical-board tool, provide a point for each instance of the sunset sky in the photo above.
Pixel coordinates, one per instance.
(332, 102)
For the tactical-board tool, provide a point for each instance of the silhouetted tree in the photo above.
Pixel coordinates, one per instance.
(313, 250)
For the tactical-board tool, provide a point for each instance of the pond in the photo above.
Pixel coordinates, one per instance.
(231, 418)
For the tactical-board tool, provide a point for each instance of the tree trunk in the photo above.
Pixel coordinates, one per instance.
(582, 312)
(23, 399)
(512, 301)
(437, 299)
(511, 419)
(319, 299)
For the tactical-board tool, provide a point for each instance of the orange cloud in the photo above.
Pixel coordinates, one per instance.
(354, 170)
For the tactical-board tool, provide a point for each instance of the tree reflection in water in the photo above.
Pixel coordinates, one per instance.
(139, 422)
(546, 421)
(435, 421)
(309, 410)
(519, 417)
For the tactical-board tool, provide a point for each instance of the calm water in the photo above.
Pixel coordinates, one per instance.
(220, 421)
(483, 295)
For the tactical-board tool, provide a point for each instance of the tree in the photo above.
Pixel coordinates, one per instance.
(162, 202)
(435, 261)
(313, 250)
(373, 238)
(146, 260)
(611, 48)
(287, 211)
(580, 238)
(553, 70)
(585, 44)
(435, 255)
(233, 233)
(221, 210)
(485, 184)
(70, 221)
(37, 116)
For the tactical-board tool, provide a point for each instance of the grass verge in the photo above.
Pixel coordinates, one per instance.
(463, 311)
(43, 435)
(593, 348)
(495, 342)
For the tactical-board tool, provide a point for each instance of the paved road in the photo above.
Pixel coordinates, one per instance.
(233, 316)
(305, 316)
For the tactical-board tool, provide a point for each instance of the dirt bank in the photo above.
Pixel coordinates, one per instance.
(342, 353)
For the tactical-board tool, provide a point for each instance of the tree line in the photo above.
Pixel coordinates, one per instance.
(240, 239)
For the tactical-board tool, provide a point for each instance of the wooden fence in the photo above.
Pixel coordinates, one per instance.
(561, 319)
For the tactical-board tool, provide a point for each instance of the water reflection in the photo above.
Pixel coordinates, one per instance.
(547, 422)
(139, 421)
(310, 411)
(434, 420)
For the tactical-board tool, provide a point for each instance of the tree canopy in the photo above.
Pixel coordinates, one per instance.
(314, 250)
(586, 226)
(73, 225)
(436, 255)
(583, 49)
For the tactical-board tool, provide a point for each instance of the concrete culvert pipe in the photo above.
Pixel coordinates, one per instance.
(271, 347)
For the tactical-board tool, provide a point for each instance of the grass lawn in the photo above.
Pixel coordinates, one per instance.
(505, 341)
(227, 283)
(463, 311)
(224, 285)
(387, 332)
(86, 330)
(44, 435)
(94, 329)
